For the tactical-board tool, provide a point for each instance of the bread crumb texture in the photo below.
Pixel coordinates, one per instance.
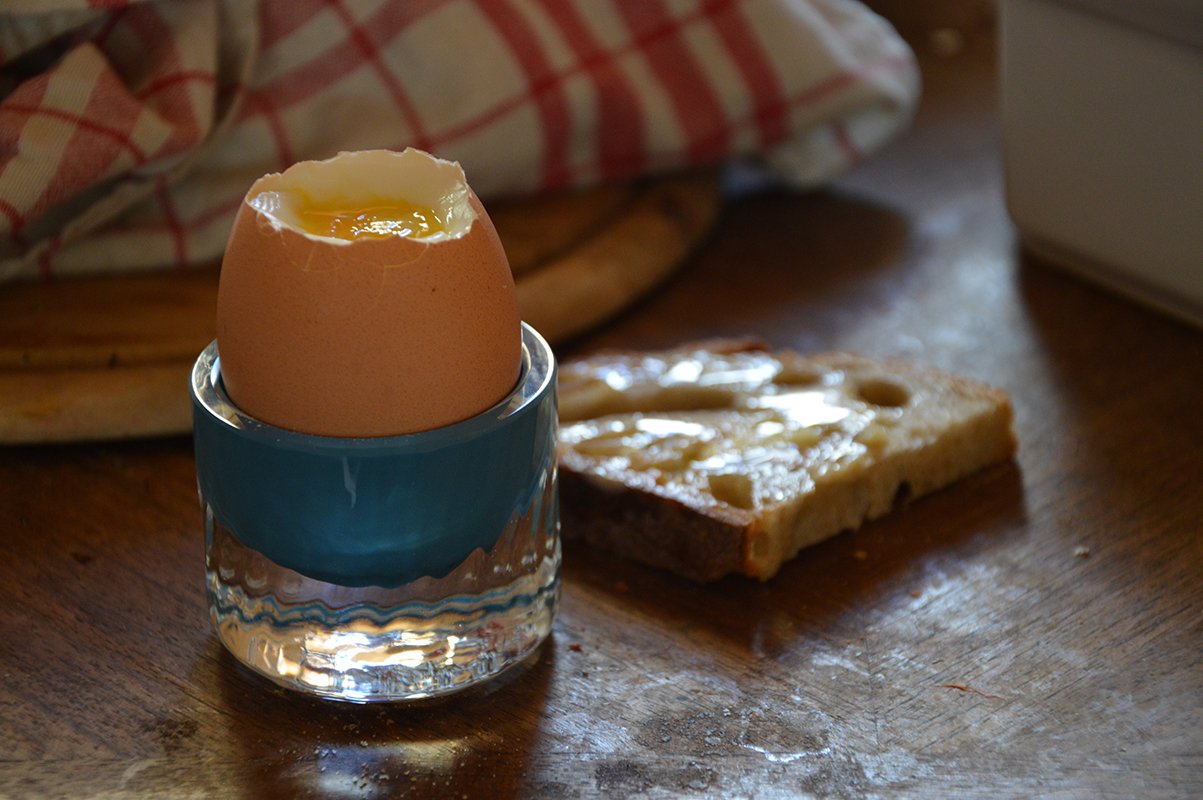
(713, 459)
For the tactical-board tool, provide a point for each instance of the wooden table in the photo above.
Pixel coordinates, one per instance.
(1034, 630)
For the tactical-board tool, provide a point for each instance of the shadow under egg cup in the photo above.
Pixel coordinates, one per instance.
(386, 568)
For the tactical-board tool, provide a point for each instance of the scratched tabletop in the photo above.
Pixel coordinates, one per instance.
(1036, 630)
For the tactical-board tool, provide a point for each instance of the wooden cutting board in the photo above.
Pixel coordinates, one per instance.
(109, 357)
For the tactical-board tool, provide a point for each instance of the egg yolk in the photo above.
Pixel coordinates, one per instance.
(399, 218)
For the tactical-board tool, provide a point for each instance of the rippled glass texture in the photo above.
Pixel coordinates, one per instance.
(384, 568)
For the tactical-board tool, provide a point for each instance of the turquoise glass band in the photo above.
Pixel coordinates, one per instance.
(380, 511)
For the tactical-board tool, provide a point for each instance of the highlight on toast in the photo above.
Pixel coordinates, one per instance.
(723, 457)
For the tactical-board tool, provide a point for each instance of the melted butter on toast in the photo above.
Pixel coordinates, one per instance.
(721, 458)
(745, 430)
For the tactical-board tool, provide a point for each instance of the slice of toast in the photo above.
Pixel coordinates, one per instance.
(726, 458)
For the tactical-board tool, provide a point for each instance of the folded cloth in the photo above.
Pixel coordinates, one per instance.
(129, 134)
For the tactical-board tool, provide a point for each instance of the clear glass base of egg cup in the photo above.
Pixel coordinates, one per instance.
(364, 644)
(427, 636)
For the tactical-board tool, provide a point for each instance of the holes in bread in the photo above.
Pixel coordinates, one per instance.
(805, 437)
(732, 488)
(874, 437)
(883, 392)
(795, 375)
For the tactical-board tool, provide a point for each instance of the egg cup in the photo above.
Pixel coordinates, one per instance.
(385, 568)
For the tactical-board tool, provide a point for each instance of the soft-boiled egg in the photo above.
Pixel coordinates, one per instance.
(366, 295)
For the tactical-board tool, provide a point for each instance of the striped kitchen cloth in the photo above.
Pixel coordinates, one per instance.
(130, 129)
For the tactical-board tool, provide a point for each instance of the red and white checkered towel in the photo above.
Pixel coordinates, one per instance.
(130, 132)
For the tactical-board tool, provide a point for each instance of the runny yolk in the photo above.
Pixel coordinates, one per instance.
(399, 218)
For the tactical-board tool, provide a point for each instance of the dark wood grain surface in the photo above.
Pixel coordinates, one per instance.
(1036, 630)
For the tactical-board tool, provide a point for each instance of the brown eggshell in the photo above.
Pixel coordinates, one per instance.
(374, 337)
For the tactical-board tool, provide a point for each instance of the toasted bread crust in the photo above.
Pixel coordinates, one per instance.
(943, 427)
(651, 529)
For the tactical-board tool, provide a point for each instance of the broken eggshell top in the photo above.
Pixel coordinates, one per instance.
(366, 337)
